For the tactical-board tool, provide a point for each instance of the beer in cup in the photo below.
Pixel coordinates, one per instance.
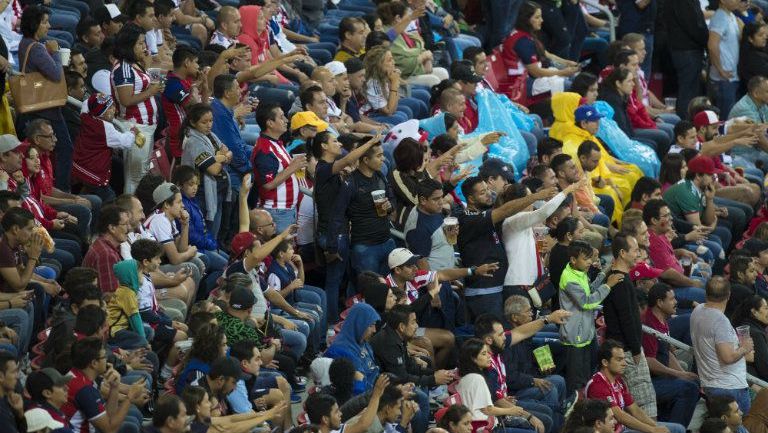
(451, 230)
(380, 202)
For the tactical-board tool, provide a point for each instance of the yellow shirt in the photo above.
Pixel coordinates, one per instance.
(124, 304)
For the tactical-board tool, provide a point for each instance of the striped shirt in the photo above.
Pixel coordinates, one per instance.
(84, 403)
(125, 74)
(269, 158)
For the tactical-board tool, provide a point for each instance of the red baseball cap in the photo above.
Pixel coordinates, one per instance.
(642, 271)
(706, 118)
(702, 164)
(241, 242)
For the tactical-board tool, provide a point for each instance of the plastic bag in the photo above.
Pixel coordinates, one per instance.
(494, 115)
(623, 147)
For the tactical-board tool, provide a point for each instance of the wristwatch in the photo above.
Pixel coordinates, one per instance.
(546, 320)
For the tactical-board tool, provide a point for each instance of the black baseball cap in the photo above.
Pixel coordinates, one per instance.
(242, 299)
(493, 167)
(465, 72)
(353, 64)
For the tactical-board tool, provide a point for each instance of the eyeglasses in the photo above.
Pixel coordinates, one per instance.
(267, 225)
(48, 136)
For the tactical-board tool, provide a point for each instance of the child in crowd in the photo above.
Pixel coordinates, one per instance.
(582, 300)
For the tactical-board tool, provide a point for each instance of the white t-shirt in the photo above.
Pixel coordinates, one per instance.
(305, 221)
(709, 327)
(475, 395)
(146, 295)
(162, 228)
(152, 43)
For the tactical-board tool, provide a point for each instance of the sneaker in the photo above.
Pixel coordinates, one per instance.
(295, 398)
(570, 403)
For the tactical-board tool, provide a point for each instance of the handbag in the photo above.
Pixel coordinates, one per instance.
(32, 91)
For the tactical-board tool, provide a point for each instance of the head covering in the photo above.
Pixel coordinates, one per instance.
(241, 242)
(38, 419)
(494, 167)
(755, 246)
(127, 274)
(304, 118)
(98, 103)
(703, 164)
(705, 118)
(163, 192)
(259, 42)
(353, 65)
(336, 68)
(434, 125)
(587, 113)
(400, 257)
(242, 299)
(464, 72)
(8, 142)
(564, 106)
(642, 271)
(45, 379)
(349, 342)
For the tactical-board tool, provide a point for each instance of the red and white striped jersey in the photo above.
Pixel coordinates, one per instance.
(125, 74)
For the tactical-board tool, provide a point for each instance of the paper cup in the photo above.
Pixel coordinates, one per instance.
(65, 54)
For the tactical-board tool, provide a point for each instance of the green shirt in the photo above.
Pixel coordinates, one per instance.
(237, 330)
(683, 198)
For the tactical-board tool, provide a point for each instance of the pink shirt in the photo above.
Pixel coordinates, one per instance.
(661, 252)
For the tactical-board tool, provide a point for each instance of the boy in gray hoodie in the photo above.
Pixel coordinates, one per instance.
(582, 300)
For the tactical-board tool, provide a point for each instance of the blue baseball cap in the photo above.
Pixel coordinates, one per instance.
(587, 113)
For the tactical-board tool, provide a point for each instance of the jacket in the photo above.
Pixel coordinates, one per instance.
(519, 362)
(619, 105)
(392, 356)
(406, 57)
(758, 368)
(685, 25)
(564, 129)
(582, 300)
(198, 233)
(622, 316)
(349, 344)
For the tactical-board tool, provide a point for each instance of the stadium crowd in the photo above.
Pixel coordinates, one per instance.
(349, 216)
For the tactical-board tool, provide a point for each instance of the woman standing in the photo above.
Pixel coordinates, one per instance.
(203, 150)
(135, 97)
(34, 56)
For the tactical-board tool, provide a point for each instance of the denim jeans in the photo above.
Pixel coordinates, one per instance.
(83, 215)
(22, 322)
(543, 413)
(282, 218)
(677, 399)
(372, 257)
(217, 260)
(725, 93)
(480, 304)
(334, 274)
(741, 395)
(672, 427)
(294, 342)
(552, 397)
(316, 299)
(658, 137)
(680, 328)
(420, 420)
(607, 204)
(687, 64)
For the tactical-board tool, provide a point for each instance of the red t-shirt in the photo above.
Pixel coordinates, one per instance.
(616, 393)
(650, 343)
(661, 252)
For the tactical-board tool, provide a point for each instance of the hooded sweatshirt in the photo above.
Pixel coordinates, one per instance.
(123, 307)
(582, 301)
(349, 344)
(564, 129)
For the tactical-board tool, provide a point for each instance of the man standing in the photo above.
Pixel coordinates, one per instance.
(720, 354)
(274, 169)
(675, 388)
(723, 46)
(424, 232)
(370, 239)
(608, 384)
(622, 322)
(479, 243)
(687, 38)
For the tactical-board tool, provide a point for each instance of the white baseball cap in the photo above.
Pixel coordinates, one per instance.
(38, 419)
(336, 67)
(400, 257)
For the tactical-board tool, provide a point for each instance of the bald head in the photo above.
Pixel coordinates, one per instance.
(261, 224)
(718, 289)
(229, 21)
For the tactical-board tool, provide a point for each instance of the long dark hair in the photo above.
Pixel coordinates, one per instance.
(743, 313)
(469, 352)
(670, 168)
(316, 144)
(524, 15)
(194, 114)
(125, 41)
(618, 75)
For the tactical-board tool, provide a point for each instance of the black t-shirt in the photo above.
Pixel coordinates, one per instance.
(326, 190)
(479, 243)
(558, 259)
(7, 418)
(355, 199)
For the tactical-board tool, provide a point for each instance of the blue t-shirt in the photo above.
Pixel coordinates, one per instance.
(726, 25)
(525, 49)
(280, 277)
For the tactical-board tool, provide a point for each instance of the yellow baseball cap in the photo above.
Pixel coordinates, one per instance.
(304, 118)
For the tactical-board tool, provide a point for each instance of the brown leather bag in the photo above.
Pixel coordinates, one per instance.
(32, 91)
